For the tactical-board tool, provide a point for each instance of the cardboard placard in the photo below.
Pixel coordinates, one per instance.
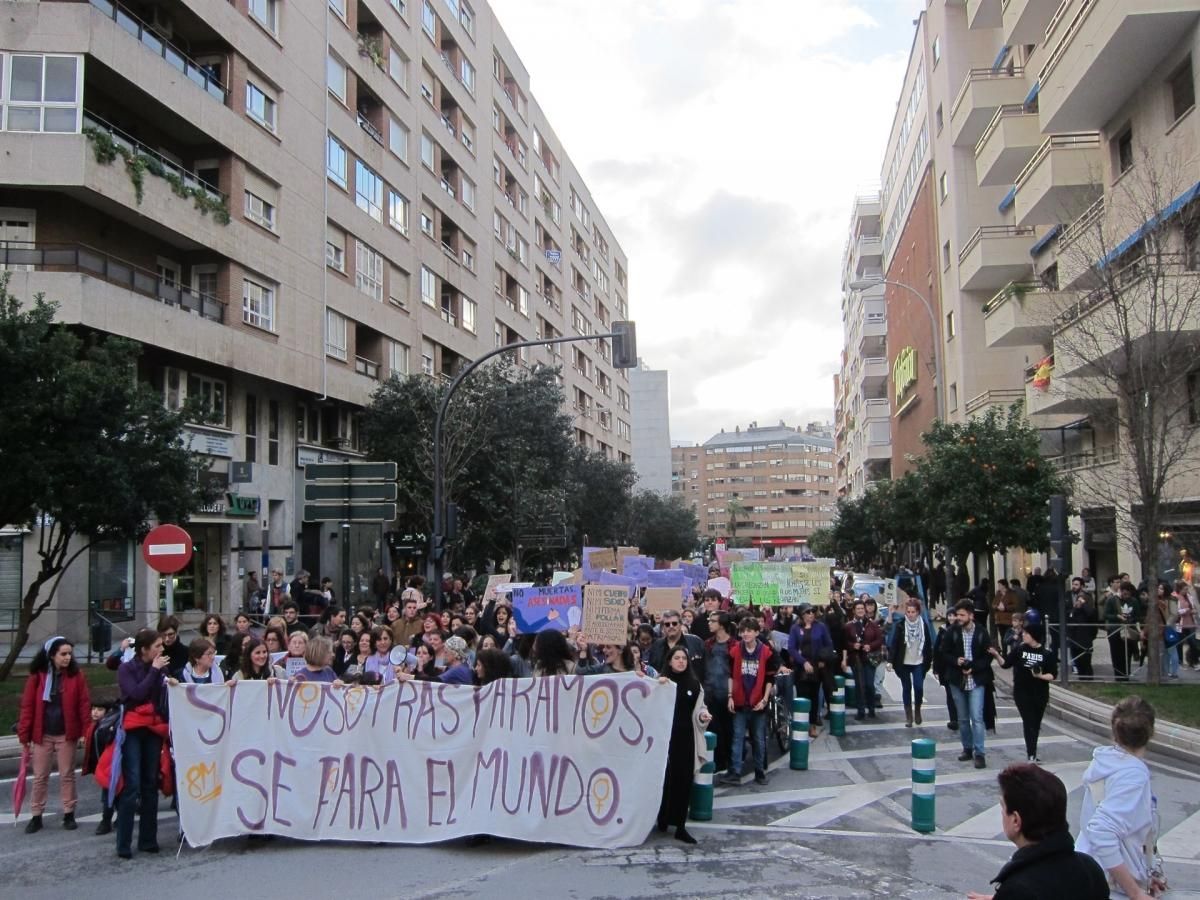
(556, 608)
(599, 558)
(662, 599)
(605, 614)
(623, 552)
(637, 567)
(489, 593)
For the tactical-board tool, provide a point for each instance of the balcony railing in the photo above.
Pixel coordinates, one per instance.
(975, 75)
(190, 179)
(365, 124)
(1084, 459)
(366, 367)
(88, 260)
(1057, 142)
(155, 43)
(1010, 290)
(994, 231)
(1080, 226)
(1000, 397)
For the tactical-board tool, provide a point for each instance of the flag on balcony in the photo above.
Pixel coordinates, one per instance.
(1041, 374)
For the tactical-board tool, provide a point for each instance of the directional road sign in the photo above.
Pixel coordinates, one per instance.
(350, 512)
(379, 492)
(350, 471)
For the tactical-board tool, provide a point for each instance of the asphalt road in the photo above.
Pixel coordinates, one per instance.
(839, 829)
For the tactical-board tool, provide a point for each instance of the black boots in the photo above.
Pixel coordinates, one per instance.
(35, 824)
(69, 821)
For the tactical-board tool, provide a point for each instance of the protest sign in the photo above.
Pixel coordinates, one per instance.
(561, 578)
(294, 665)
(889, 592)
(662, 599)
(598, 558)
(561, 760)
(489, 593)
(697, 574)
(728, 557)
(605, 614)
(554, 608)
(636, 567)
(630, 584)
(668, 578)
(721, 584)
(504, 590)
(781, 584)
(623, 552)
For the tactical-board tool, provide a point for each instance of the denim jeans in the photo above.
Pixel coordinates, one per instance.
(757, 723)
(864, 679)
(139, 768)
(970, 717)
(912, 681)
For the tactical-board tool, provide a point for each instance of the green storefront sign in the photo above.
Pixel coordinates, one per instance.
(904, 371)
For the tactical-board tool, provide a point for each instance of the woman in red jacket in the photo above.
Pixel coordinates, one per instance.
(55, 712)
(864, 649)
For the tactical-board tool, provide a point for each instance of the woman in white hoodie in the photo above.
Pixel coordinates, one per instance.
(1119, 821)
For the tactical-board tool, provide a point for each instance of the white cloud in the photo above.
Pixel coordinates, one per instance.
(723, 140)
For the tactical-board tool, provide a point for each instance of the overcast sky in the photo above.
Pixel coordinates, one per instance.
(724, 141)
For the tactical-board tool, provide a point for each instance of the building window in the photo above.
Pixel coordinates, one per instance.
(266, 12)
(209, 393)
(428, 287)
(398, 281)
(260, 107)
(522, 300)
(937, 51)
(260, 211)
(41, 92)
(397, 211)
(398, 67)
(335, 160)
(939, 118)
(335, 335)
(468, 193)
(943, 186)
(335, 254)
(368, 191)
(399, 6)
(950, 330)
(1123, 144)
(953, 397)
(339, 7)
(946, 256)
(1191, 246)
(398, 358)
(258, 304)
(468, 315)
(426, 223)
(429, 19)
(427, 155)
(368, 271)
(467, 17)
(398, 138)
(466, 74)
(1183, 90)
(272, 432)
(251, 428)
(335, 77)
(427, 357)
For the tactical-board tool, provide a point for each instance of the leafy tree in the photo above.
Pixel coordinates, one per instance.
(89, 452)
(600, 491)
(987, 485)
(737, 512)
(821, 542)
(663, 527)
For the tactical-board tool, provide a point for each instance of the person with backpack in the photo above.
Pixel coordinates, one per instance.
(101, 731)
(55, 711)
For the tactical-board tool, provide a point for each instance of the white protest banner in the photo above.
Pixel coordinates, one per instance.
(489, 592)
(605, 614)
(563, 760)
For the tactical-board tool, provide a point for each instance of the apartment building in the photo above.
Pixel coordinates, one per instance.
(1042, 116)
(285, 203)
(651, 393)
(771, 486)
(862, 417)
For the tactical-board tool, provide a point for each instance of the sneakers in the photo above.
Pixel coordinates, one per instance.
(69, 821)
(965, 756)
(760, 778)
(1035, 760)
(35, 825)
(105, 826)
(731, 778)
(980, 761)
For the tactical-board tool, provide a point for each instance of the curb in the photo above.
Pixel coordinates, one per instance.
(1170, 739)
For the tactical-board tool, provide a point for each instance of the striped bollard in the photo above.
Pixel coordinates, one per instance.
(702, 784)
(851, 692)
(800, 709)
(839, 682)
(837, 713)
(924, 767)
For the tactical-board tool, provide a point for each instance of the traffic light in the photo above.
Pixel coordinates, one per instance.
(624, 345)
(451, 521)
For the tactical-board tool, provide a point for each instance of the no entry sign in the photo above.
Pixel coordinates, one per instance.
(167, 549)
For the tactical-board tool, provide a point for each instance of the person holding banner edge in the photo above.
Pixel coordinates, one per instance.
(687, 751)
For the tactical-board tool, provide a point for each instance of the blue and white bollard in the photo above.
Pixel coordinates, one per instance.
(924, 768)
(702, 784)
(799, 746)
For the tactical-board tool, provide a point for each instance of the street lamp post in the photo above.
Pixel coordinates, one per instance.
(624, 337)
(938, 385)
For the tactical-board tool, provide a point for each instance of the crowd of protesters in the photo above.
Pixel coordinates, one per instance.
(729, 664)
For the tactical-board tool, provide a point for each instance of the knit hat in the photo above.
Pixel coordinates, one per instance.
(457, 646)
(1036, 630)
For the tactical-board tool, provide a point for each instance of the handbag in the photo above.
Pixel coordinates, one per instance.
(1172, 636)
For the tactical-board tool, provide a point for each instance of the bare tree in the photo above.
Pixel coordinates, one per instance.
(1126, 335)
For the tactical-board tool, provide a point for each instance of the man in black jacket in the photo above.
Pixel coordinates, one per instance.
(968, 665)
(673, 634)
(1033, 810)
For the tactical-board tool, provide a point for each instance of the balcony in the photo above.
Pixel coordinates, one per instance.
(1061, 180)
(1008, 143)
(1025, 21)
(998, 398)
(878, 451)
(876, 410)
(1104, 50)
(983, 14)
(1084, 459)
(874, 373)
(869, 250)
(874, 325)
(1065, 398)
(366, 367)
(198, 74)
(89, 261)
(983, 92)
(1021, 315)
(994, 256)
